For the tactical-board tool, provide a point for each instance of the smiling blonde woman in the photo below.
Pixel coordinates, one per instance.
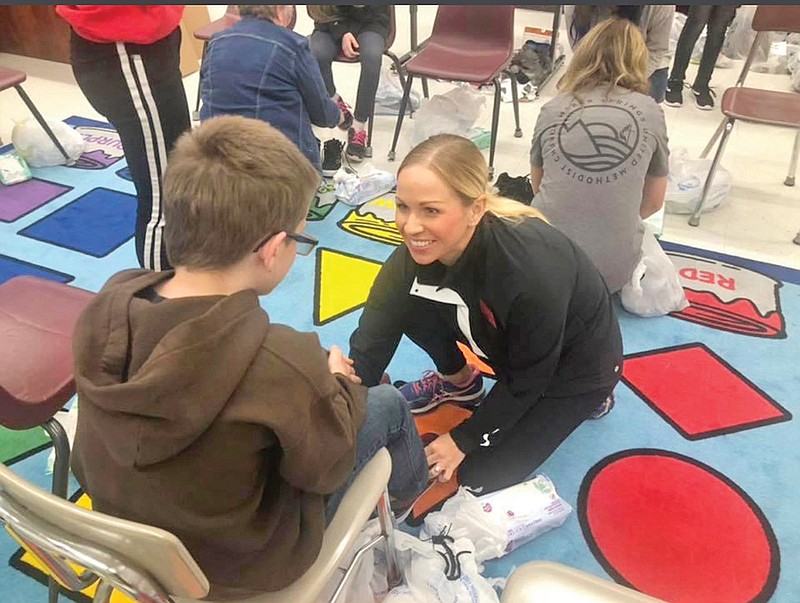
(491, 274)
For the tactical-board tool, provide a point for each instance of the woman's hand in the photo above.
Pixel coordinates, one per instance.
(444, 457)
(349, 46)
(339, 363)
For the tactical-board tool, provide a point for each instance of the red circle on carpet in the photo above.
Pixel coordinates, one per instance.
(675, 529)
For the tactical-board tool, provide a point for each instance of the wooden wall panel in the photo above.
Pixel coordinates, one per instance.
(34, 31)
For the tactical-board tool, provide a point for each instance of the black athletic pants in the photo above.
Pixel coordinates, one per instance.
(138, 88)
(716, 18)
(526, 445)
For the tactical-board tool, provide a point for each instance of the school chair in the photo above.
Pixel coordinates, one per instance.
(37, 317)
(11, 78)
(757, 105)
(150, 564)
(548, 581)
(472, 44)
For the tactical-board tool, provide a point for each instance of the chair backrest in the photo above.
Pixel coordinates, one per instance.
(56, 530)
(392, 27)
(484, 26)
(770, 17)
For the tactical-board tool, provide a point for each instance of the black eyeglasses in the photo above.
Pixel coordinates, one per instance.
(305, 243)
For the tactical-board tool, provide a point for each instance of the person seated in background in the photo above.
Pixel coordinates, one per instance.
(200, 416)
(655, 22)
(357, 32)
(258, 68)
(599, 156)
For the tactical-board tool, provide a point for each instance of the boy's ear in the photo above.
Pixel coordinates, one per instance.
(270, 249)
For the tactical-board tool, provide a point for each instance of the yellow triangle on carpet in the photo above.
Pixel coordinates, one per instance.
(342, 284)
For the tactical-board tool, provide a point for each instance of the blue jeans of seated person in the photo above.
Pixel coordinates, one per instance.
(658, 84)
(388, 424)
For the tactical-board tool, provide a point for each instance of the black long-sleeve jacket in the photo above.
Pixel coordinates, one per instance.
(525, 299)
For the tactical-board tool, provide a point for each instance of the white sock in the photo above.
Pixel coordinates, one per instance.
(358, 126)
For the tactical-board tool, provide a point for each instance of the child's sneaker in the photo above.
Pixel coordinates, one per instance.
(604, 408)
(674, 96)
(348, 117)
(430, 391)
(331, 157)
(703, 98)
(356, 144)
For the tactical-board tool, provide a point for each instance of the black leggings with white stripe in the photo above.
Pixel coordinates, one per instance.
(138, 88)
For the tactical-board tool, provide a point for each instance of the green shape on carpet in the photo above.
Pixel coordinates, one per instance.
(16, 445)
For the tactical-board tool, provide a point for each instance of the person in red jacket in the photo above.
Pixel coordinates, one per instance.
(126, 60)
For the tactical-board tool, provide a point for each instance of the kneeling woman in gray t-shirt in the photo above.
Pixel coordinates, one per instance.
(599, 155)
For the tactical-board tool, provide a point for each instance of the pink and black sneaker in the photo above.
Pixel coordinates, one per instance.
(348, 116)
(356, 144)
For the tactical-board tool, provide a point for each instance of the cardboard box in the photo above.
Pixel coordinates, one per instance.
(194, 17)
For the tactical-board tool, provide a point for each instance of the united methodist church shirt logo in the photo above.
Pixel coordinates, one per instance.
(598, 143)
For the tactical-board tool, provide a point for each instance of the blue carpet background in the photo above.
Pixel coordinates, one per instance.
(87, 241)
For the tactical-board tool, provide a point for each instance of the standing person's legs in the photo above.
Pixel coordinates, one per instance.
(388, 423)
(325, 50)
(139, 90)
(531, 441)
(695, 22)
(718, 21)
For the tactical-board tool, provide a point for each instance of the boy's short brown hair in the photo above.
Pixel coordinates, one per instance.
(228, 183)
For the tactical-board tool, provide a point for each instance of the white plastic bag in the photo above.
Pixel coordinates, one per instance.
(356, 189)
(443, 570)
(687, 176)
(502, 521)
(454, 112)
(34, 145)
(741, 34)
(654, 288)
(390, 93)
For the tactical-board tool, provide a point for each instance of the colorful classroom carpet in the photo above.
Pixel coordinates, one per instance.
(684, 491)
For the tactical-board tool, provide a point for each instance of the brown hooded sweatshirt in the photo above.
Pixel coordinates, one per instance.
(200, 417)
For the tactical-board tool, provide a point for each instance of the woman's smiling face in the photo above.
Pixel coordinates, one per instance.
(435, 223)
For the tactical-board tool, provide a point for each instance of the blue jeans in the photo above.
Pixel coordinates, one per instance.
(658, 84)
(388, 424)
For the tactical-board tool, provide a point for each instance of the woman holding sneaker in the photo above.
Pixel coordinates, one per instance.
(492, 274)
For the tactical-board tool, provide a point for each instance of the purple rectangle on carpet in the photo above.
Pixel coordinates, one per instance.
(17, 200)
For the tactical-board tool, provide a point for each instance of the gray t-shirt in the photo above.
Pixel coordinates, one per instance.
(595, 155)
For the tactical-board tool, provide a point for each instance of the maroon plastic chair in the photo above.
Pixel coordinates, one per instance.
(397, 66)
(756, 105)
(37, 317)
(11, 78)
(468, 44)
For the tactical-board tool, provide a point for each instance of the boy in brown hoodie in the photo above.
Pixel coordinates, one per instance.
(198, 415)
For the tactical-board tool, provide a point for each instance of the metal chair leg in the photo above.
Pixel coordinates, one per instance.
(714, 138)
(425, 88)
(515, 101)
(793, 163)
(60, 481)
(694, 220)
(401, 114)
(394, 575)
(495, 121)
(26, 99)
(196, 112)
(368, 148)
